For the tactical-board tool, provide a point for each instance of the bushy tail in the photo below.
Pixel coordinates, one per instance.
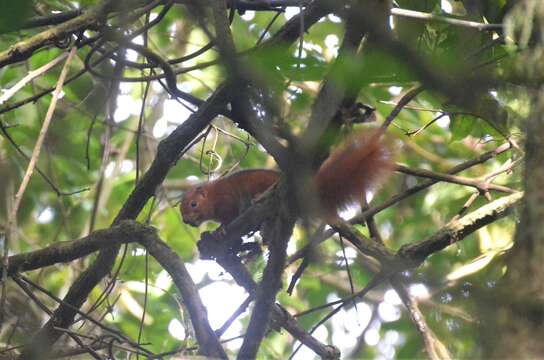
(359, 164)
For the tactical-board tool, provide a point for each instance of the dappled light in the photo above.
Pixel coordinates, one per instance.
(271, 179)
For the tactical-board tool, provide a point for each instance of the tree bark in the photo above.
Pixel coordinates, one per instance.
(515, 329)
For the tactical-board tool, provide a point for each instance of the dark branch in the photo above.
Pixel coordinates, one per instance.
(277, 235)
(128, 232)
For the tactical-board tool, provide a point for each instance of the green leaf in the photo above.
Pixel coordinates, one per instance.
(13, 14)
(461, 126)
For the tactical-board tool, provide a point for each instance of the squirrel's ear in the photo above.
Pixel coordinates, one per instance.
(200, 190)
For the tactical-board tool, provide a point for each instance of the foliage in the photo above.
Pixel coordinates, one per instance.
(94, 156)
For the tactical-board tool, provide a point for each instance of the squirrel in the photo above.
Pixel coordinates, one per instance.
(363, 161)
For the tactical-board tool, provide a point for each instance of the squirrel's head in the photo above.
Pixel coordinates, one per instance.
(193, 206)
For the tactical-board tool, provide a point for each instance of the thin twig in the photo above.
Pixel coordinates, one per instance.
(110, 330)
(406, 98)
(375, 281)
(240, 310)
(12, 218)
(447, 20)
(44, 308)
(401, 196)
(31, 76)
(455, 179)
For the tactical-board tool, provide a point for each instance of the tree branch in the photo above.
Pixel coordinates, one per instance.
(168, 152)
(457, 230)
(24, 49)
(277, 235)
(124, 233)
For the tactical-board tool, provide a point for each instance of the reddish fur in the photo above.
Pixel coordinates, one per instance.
(359, 164)
(222, 200)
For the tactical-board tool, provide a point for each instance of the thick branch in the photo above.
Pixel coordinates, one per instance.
(209, 345)
(277, 235)
(168, 153)
(24, 49)
(231, 263)
(66, 251)
(127, 232)
(457, 230)
(399, 197)
(218, 246)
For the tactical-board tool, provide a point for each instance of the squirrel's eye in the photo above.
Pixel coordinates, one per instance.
(193, 204)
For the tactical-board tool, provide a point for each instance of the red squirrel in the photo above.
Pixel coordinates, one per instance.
(361, 162)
